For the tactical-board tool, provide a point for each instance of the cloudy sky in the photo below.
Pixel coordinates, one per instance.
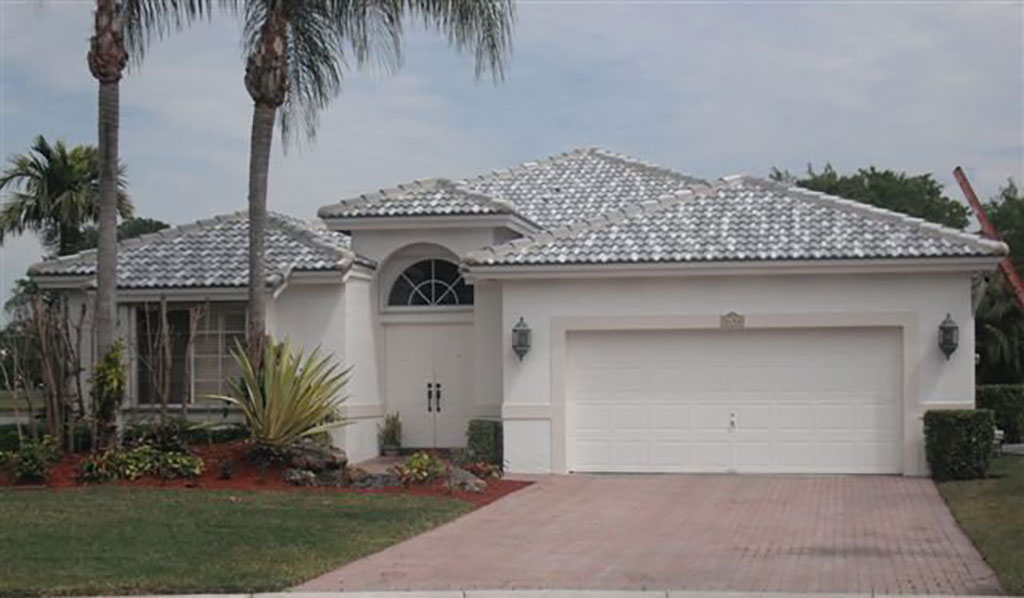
(708, 88)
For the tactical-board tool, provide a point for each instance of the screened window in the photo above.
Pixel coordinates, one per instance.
(201, 367)
(430, 283)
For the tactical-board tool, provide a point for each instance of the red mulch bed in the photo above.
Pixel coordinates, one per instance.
(247, 475)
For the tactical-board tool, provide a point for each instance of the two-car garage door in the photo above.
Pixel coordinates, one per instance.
(789, 400)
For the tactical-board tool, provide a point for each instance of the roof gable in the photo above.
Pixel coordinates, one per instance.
(212, 253)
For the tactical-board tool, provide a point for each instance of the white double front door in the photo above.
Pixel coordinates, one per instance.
(428, 380)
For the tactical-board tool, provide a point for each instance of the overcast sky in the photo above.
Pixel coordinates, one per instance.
(706, 88)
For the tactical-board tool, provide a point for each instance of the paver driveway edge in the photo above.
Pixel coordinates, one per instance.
(540, 594)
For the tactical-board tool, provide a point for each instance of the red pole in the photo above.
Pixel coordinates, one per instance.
(1009, 271)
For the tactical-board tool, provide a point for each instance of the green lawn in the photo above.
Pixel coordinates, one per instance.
(991, 511)
(106, 540)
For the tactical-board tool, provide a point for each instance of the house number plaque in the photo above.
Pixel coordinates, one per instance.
(732, 321)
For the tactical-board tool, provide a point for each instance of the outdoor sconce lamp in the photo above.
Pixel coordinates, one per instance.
(949, 336)
(521, 334)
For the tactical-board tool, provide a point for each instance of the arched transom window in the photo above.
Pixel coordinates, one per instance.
(429, 283)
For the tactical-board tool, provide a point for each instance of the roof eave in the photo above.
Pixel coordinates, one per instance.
(419, 221)
(733, 268)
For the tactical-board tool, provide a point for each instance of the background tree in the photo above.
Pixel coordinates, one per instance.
(919, 196)
(999, 319)
(297, 52)
(54, 191)
(128, 229)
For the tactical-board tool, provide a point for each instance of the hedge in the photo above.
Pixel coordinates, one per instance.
(1007, 400)
(484, 441)
(959, 442)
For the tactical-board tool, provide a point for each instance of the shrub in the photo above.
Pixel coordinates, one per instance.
(171, 435)
(484, 442)
(216, 434)
(141, 461)
(292, 396)
(108, 382)
(389, 435)
(1007, 400)
(422, 467)
(959, 443)
(30, 463)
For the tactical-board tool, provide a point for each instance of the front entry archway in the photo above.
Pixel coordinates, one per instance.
(427, 314)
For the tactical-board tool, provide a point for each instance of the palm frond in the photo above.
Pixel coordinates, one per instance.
(146, 21)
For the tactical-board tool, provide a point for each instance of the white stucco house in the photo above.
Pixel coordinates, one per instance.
(677, 325)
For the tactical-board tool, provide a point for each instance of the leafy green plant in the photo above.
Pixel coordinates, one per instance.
(389, 435)
(1007, 401)
(141, 461)
(959, 443)
(422, 467)
(292, 396)
(108, 383)
(30, 463)
(484, 442)
(171, 435)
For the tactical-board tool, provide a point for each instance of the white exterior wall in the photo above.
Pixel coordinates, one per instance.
(919, 301)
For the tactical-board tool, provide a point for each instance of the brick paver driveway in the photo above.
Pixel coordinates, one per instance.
(694, 532)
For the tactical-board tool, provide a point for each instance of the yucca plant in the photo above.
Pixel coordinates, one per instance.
(290, 397)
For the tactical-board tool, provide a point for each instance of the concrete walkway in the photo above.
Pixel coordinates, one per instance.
(816, 534)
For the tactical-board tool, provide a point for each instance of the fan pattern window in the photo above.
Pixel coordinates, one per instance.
(430, 283)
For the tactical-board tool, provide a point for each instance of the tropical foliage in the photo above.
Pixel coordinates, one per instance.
(54, 191)
(919, 196)
(297, 52)
(999, 319)
(290, 396)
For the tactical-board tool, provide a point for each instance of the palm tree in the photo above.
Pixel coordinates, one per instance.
(297, 51)
(54, 192)
(999, 335)
(122, 28)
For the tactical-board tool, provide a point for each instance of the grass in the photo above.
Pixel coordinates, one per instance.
(110, 540)
(991, 511)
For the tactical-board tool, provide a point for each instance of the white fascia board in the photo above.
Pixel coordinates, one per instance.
(316, 276)
(63, 281)
(422, 221)
(198, 294)
(912, 266)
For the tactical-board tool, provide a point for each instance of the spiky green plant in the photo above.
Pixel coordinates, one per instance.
(290, 396)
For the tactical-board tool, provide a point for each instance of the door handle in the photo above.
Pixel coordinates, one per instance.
(430, 396)
(732, 420)
(437, 396)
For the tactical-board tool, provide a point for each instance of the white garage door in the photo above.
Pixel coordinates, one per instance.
(772, 401)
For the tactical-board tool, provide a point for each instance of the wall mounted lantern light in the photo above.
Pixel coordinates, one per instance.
(521, 336)
(949, 336)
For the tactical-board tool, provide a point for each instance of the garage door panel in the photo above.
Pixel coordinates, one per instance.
(803, 400)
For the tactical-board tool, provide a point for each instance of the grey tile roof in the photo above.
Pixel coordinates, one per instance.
(741, 218)
(437, 197)
(551, 192)
(212, 253)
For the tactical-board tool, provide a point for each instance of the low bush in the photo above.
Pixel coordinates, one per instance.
(141, 461)
(1007, 401)
(959, 443)
(30, 464)
(484, 443)
(171, 435)
(421, 468)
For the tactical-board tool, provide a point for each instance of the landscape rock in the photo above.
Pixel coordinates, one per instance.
(356, 474)
(377, 480)
(299, 477)
(460, 479)
(317, 458)
(332, 477)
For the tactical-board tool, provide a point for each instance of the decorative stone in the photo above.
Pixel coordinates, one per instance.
(317, 458)
(377, 480)
(332, 477)
(460, 479)
(299, 477)
(357, 474)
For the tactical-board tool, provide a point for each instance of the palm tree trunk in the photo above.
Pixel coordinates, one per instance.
(106, 248)
(260, 142)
